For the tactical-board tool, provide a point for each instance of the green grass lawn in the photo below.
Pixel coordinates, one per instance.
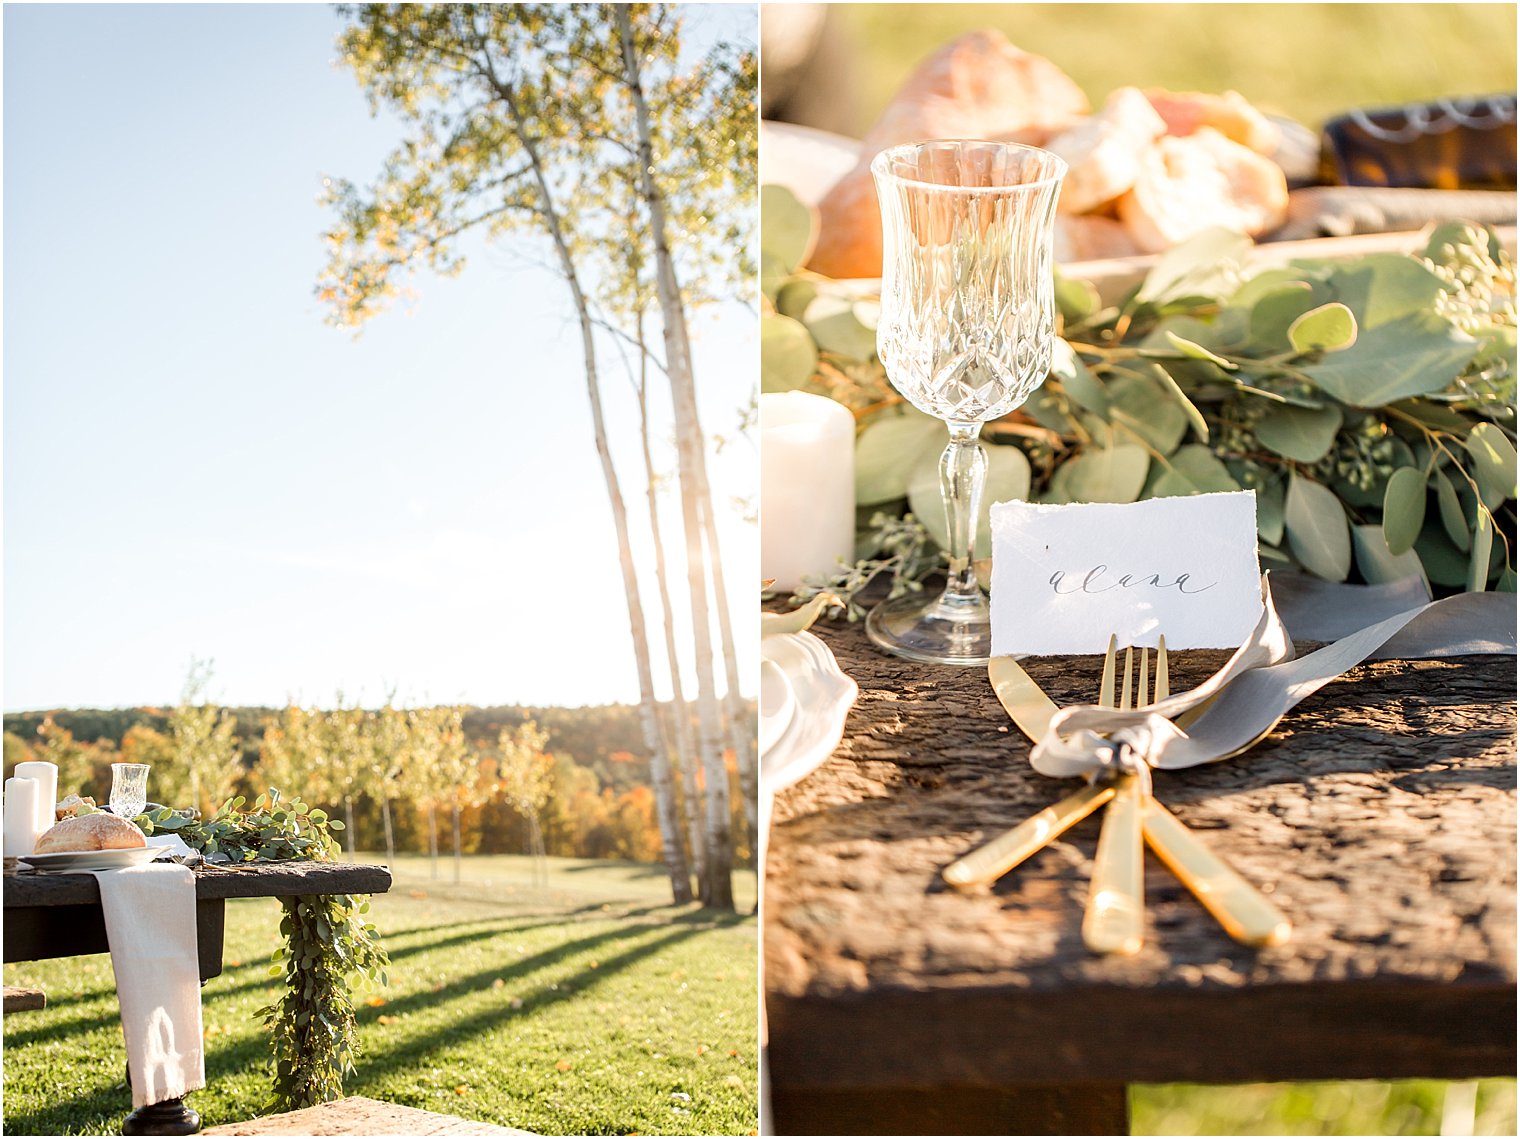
(1309, 61)
(1346, 1107)
(591, 1006)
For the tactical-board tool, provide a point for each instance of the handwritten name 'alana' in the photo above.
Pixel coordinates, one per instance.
(1099, 580)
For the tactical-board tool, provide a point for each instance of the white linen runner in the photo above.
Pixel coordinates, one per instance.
(150, 925)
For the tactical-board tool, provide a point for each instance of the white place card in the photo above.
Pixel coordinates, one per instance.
(1065, 577)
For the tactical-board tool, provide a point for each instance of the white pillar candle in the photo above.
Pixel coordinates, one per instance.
(46, 775)
(807, 486)
(20, 817)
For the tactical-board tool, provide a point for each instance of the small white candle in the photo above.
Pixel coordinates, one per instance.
(20, 817)
(807, 486)
(46, 775)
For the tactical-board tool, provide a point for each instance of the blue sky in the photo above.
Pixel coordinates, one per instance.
(196, 465)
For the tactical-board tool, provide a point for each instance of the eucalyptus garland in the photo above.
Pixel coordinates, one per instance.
(330, 949)
(1369, 403)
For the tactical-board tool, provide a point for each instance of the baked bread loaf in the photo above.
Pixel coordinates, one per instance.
(978, 86)
(1103, 152)
(100, 831)
(1200, 180)
(1229, 114)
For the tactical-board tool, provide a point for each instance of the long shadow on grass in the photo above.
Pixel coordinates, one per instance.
(256, 973)
(257, 977)
(243, 1054)
(254, 1052)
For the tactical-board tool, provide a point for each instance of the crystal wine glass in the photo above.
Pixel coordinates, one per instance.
(129, 789)
(965, 334)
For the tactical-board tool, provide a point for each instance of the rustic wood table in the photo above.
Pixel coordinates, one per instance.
(1380, 816)
(59, 915)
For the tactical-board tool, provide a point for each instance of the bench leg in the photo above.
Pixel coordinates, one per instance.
(168, 1117)
(1034, 1109)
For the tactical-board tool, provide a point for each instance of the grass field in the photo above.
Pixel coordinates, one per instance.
(588, 1007)
(1346, 1107)
(1309, 61)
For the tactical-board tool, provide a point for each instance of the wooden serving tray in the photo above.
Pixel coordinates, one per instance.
(1115, 276)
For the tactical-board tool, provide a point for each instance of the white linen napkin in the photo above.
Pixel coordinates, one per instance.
(150, 925)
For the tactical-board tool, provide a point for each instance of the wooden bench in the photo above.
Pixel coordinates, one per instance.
(24, 1000)
(357, 1115)
(1380, 816)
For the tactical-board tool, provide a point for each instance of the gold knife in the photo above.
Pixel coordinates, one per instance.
(1244, 912)
(990, 862)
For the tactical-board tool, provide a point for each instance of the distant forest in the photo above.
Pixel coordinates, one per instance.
(599, 803)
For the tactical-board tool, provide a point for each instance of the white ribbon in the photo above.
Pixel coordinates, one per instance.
(1264, 679)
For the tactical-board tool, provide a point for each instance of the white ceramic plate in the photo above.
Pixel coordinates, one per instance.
(823, 695)
(74, 861)
(777, 704)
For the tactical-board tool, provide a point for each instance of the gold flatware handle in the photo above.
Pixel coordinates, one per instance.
(989, 863)
(1115, 919)
(1238, 906)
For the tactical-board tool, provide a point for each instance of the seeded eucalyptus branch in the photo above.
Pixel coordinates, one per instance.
(1368, 402)
(902, 551)
(329, 946)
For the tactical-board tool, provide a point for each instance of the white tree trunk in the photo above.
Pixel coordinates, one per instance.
(691, 445)
(741, 725)
(659, 765)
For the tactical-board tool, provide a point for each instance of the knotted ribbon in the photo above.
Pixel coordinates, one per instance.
(1264, 678)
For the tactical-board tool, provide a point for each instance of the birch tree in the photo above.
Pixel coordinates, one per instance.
(487, 105)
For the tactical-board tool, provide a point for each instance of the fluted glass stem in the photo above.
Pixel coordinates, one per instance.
(962, 475)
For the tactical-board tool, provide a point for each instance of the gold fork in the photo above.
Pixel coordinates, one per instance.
(1115, 918)
(1245, 914)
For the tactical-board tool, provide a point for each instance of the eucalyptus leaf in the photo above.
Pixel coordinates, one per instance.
(1482, 548)
(1077, 380)
(1302, 434)
(1194, 469)
(1378, 564)
(1415, 356)
(1210, 263)
(1444, 563)
(1007, 480)
(1274, 313)
(1194, 416)
(1453, 518)
(1317, 530)
(1269, 513)
(793, 298)
(835, 324)
(888, 450)
(787, 227)
(1385, 287)
(1506, 582)
(1106, 474)
(1493, 462)
(1197, 351)
(1077, 299)
(787, 354)
(1142, 405)
(1403, 509)
(1329, 328)
(1268, 281)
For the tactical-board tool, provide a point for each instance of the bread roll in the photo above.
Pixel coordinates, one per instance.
(99, 831)
(1203, 179)
(978, 86)
(1230, 114)
(1103, 152)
